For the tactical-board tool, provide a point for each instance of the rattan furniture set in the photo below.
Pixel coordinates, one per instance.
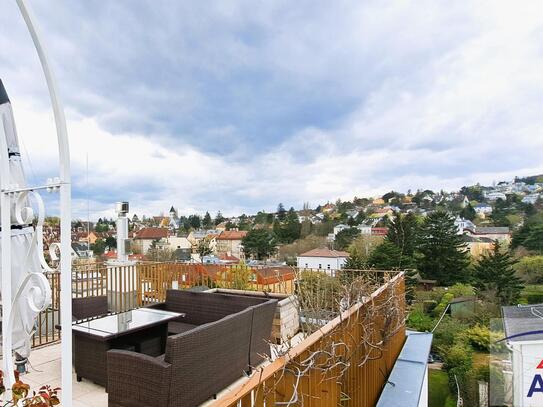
(177, 353)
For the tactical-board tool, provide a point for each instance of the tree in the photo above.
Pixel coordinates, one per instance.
(494, 274)
(443, 255)
(98, 247)
(530, 269)
(355, 261)
(219, 218)
(158, 252)
(530, 235)
(111, 242)
(207, 223)
(203, 248)
(259, 244)
(345, 238)
(468, 212)
(194, 221)
(281, 212)
(388, 256)
(402, 231)
(499, 213)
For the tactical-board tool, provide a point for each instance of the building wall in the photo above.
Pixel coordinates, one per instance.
(230, 246)
(323, 263)
(423, 401)
(526, 358)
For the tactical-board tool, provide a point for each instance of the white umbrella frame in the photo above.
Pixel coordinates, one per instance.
(18, 195)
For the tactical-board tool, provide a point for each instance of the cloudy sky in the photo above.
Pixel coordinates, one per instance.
(240, 105)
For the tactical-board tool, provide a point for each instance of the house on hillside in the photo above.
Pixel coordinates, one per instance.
(483, 209)
(145, 237)
(493, 196)
(463, 224)
(323, 259)
(229, 242)
(502, 234)
(530, 199)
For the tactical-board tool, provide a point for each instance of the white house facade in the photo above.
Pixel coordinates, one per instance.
(323, 259)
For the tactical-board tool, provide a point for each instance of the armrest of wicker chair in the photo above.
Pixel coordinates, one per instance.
(137, 379)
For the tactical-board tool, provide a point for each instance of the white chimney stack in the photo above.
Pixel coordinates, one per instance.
(122, 231)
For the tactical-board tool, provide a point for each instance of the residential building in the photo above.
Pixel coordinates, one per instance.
(493, 196)
(530, 199)
(145, 237)
(463, 224)
(502, 234)
(483, 209)
(339, 228)
(323, 259)
(229, 242)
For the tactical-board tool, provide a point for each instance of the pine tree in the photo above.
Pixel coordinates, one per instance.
(468, 212)
(207, 223)
(495, 275)
(388, 256)
(402, 231)
(281, 212)
(443, 254)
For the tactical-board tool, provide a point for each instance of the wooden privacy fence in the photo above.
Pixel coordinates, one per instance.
(129, 287)
(345, 363)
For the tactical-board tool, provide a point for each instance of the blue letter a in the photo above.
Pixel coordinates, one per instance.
(536, 386)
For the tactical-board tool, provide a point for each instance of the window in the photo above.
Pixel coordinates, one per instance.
(328, 267)
(305, 265)
(320, 266)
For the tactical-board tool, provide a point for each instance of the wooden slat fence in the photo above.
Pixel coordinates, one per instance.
(366, 366)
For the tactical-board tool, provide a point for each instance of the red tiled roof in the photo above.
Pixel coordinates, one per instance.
(152, 233)
(232, 235)
(324, 253)
(228, 257)
(379, 231)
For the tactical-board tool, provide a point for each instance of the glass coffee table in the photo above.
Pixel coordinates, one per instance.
(143, 330)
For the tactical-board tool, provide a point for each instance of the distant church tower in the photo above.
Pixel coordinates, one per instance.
(174, 219)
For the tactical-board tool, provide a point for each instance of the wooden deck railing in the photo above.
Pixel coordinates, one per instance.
(355, 376)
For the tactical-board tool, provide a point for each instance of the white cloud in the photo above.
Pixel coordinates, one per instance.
(436, 96)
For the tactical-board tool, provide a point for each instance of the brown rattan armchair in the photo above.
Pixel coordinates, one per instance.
(88, 307)
(222, 337)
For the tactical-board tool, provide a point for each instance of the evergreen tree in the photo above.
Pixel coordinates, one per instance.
(388, 256)
(219, 218)
(345, 238)
(443, 254)
(402, 231)
(194, 221)
(281, 212)
(292, 226)
(468, 212)
(355, 261)
(495, 275)
(259, 244)
(207, 223)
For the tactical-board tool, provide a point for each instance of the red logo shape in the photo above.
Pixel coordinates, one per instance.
(540, 366)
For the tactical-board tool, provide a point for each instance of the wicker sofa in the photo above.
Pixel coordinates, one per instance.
(221, 337)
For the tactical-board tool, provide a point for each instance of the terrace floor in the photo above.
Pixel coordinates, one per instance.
(44, 368)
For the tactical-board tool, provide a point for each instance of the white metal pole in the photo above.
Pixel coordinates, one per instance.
(65, 206)
(5, 207)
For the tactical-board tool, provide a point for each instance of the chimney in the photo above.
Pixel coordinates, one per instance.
(123, 243)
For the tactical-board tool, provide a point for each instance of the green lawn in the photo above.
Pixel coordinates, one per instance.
(438, 390)
(532, 293)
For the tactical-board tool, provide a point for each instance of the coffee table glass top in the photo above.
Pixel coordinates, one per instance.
(124, 321)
